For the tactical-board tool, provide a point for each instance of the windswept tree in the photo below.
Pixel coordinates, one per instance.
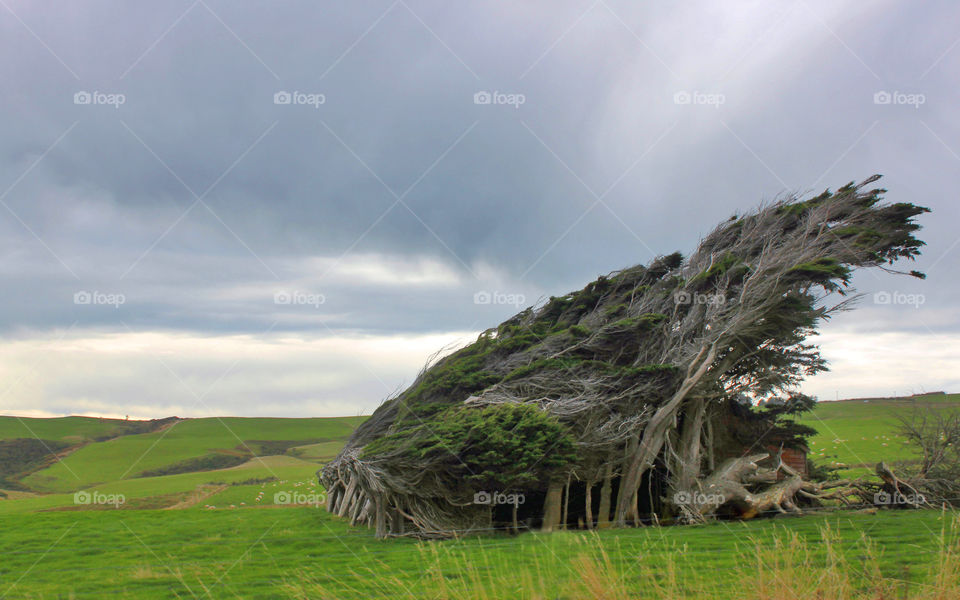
(640, 378)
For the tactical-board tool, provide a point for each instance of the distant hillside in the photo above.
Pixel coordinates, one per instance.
(861, 432)
(176, 462)
(64, 455)
(75, 430)
(28, 445)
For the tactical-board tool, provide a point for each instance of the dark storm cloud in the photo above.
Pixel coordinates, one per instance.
(620, 131)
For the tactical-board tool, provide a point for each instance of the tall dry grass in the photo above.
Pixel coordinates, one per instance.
(789, 568)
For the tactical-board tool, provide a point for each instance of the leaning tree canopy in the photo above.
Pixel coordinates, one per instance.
(621, 377)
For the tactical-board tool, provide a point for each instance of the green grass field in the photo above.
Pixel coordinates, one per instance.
(256, 530)
(125, 457)
(304, 552)
(69, 429)
(857, 434)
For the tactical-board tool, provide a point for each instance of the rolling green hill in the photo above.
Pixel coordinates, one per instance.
(170, 490)
(159, 464)
(73, 430)
(857, 434)
(128, 456)
(194, 463)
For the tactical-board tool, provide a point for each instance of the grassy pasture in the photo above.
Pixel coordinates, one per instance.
(234, 532)
(67, 429)
(124, 457)
(861, 433)
(305, 553)
(160, 492)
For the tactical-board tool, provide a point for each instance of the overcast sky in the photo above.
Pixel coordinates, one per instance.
(214, 208)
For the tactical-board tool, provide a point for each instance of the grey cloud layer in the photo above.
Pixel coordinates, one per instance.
(640, 128)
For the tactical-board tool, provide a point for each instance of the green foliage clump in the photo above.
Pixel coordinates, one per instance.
(465, 372)
(632, 326)
(795, 209)
(614, 310)
(663, 265)
(729, 264)
(587, 299)
(514, 338)
(629, 277)
(462, 372)
(543, 364)
(501, 446)
(823, 271)
(556, 306)
(773, 423)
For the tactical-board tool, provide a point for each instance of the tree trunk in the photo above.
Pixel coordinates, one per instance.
(690, 459)
(396, 526)
(332, 498)
(516, 526)
(588, 506)
(624, 496)
(654, 434)
(551, 507)
(903, 492)
(347, 497)
(358, 505)
(566, 504)
(779, 497)
(711, 457)
(726, 484)
(603, 512)
(381, 515)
